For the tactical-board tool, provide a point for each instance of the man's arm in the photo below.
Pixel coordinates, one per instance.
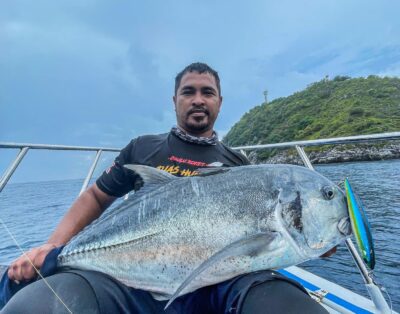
(89, 206)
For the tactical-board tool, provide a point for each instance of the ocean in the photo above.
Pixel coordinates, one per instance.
(32, 210)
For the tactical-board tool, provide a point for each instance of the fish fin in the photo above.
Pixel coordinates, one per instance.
(151, 175)
(109, 245)
(246, 246)
(203, 172)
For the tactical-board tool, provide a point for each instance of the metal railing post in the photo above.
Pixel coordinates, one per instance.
(244, 153)
(9, 172)
(304, 157)
(91, 170)
(374, 291)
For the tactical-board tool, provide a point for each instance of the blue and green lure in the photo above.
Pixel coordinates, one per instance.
(360, 226)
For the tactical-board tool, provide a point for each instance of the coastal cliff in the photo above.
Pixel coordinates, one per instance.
(335, 154)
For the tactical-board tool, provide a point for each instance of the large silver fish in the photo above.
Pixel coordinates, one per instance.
(192, 232)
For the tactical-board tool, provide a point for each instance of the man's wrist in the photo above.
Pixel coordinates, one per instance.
(54, 244)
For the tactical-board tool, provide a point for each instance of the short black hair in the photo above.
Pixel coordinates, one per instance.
(200, 68)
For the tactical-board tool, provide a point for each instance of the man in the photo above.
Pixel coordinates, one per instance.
(191, 145)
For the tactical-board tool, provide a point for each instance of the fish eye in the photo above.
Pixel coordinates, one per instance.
(328, 192)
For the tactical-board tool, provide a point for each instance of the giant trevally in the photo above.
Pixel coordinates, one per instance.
(212, 227)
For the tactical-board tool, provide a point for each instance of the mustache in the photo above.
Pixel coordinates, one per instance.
(198, 109)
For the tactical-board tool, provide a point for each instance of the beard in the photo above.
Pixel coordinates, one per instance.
(197, 120)
(197, 124)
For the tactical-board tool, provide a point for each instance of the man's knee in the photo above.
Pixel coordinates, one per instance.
(67, 293)
(278, 296)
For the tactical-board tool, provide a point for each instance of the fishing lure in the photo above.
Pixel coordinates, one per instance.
(360, 225)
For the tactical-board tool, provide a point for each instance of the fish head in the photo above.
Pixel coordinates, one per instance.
(314, 211)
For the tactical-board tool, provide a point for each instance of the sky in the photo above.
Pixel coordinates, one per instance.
(99, 73)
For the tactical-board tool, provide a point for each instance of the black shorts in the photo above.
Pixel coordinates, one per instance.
(93, 292)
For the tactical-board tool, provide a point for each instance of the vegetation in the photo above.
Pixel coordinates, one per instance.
(328, 108)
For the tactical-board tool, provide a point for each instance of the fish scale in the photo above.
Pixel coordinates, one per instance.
(162, 234)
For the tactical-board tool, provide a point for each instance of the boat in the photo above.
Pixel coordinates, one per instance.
(334, 297)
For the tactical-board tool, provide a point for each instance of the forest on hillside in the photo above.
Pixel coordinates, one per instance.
(342, 106)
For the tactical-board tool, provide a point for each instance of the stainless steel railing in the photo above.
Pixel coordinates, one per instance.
(25, 147)
(329, 141)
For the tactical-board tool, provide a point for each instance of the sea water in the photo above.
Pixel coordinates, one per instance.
(32, 210)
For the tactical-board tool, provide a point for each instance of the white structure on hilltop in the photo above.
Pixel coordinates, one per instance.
(265, 96)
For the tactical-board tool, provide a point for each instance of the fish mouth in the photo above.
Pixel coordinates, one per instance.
(344, 226)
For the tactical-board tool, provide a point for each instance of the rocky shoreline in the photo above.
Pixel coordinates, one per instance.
(336, 154)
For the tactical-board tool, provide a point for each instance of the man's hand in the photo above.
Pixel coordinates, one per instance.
(330, 252)
(85, 209)
(22, 270)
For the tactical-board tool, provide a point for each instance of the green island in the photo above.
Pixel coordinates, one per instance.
(341, 106)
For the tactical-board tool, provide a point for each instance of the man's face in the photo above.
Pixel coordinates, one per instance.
(197, 103)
